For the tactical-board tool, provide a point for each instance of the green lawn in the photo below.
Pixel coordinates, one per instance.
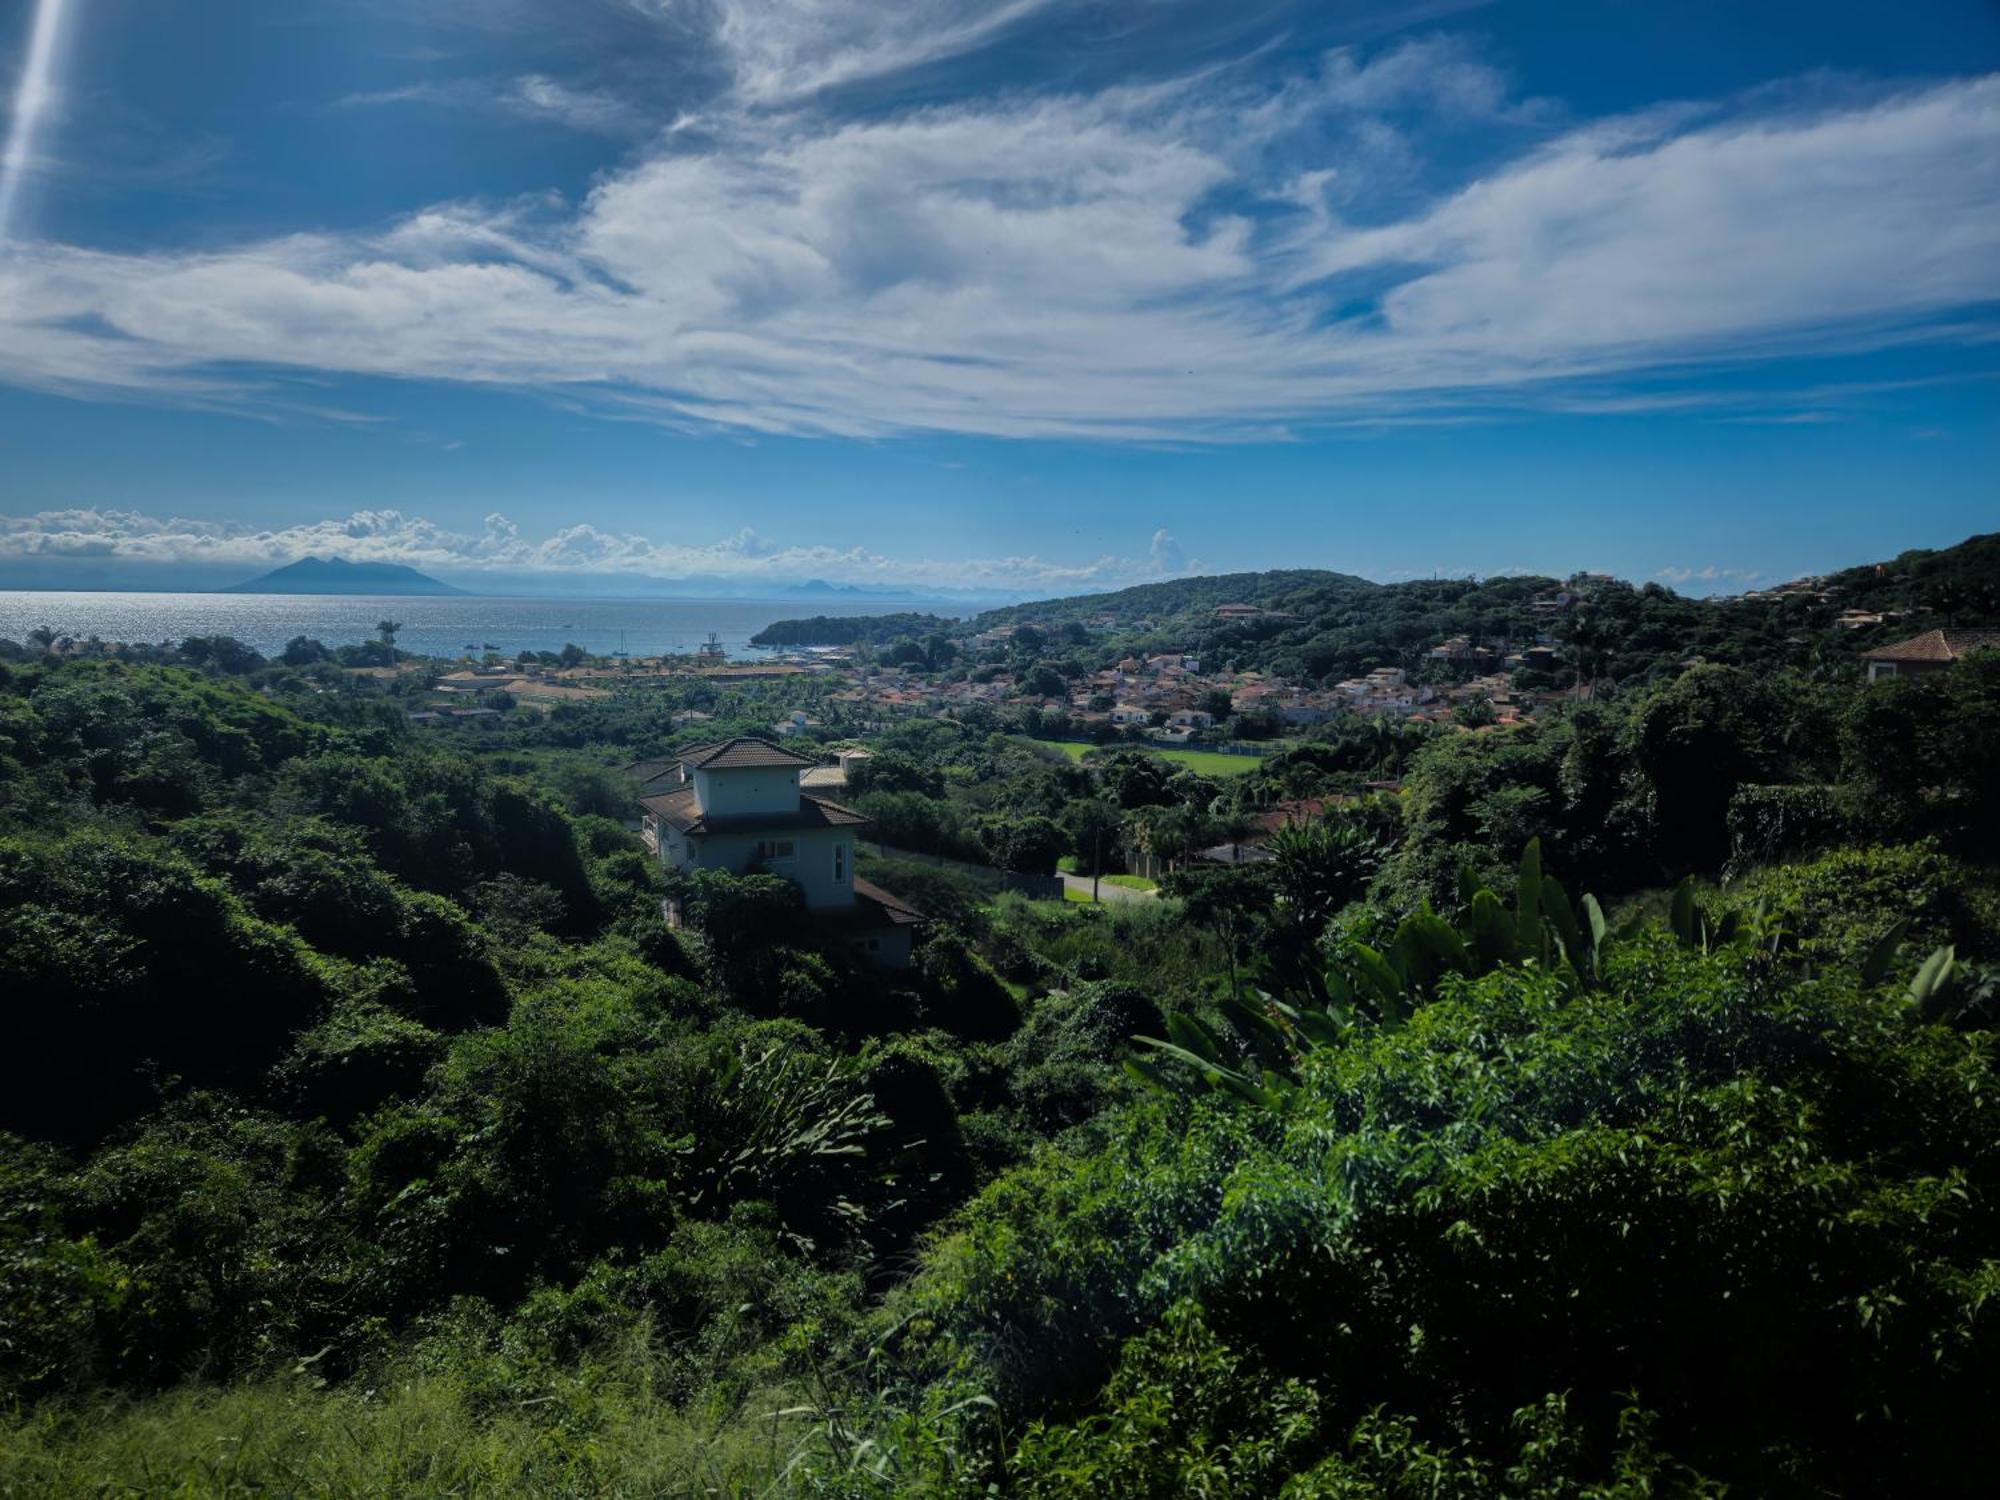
(1132, 882)
(1207, 762)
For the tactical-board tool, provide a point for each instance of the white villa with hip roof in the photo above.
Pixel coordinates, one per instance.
(738, 806)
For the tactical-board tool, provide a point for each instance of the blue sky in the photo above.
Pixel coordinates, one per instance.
(1026, 296)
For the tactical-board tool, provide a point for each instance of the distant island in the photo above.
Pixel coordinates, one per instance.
(335, 575)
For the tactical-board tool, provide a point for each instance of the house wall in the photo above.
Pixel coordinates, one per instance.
(728, 794)
(889, 947)
(812, 868)
(1877, 670)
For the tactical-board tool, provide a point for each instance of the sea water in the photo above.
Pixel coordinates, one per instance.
(442, 626)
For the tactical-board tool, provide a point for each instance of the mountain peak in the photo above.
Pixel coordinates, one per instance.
(336, 575)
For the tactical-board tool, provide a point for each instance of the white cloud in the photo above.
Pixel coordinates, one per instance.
(500, 546)
(1198, 262)
(1710, 574)
(1169, 556)
(783, 50)
(533, 96)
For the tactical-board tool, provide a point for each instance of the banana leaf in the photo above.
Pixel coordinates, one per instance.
(1931, 990)
(1875, 967)
(1528, 899)
(1562, 917)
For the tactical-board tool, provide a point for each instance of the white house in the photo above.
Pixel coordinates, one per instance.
(738, 806)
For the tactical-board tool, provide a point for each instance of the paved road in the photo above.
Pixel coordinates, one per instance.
(1106, 891)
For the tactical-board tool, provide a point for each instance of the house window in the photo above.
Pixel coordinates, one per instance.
(777, 849)
(840, 864)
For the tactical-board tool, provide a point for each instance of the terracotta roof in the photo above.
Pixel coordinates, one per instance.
(678, 809)
(1937, 646)
(875, 907)
(741, 752)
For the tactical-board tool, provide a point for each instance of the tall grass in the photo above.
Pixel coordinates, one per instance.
(421, 1436)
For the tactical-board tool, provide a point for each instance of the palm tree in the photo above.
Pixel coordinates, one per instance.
(1321, 865)
(387, 629)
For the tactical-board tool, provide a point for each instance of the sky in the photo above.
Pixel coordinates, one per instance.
(1028, 297)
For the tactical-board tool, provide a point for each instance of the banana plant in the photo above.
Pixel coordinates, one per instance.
(1755, 930)
(1259, 1061)
(1945, 990)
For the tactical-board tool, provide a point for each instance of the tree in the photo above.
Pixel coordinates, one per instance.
(1229, 900)
(1094, 828)
(1215, 703)
(222, 652)
(304, 651)
(1044, 681)
(1475, 712)
(1695, 741)
(386, 630)
(1320, 865)
(1028, 846)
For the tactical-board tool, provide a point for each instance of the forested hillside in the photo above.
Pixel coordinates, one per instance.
(1324, 626)
(1600, 1106)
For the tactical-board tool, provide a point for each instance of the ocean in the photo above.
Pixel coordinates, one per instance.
(431, 626)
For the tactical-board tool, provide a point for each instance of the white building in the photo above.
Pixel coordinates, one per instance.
(738, 806)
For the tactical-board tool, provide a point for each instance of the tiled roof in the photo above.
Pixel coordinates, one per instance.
(679, 810)
(875, 907)
(743, 751)
(1937, 646)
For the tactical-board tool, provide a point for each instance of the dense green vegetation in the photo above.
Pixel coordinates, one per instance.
(1608, 1110)
(1327, 626)
(849, 630)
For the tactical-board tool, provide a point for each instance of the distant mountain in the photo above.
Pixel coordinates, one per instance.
(335, 575)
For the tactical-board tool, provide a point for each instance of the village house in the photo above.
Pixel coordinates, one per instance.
(1932, 651)
(738, 806)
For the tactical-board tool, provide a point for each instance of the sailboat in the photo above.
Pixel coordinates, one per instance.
(621, 651)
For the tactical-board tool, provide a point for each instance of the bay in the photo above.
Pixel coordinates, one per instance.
(431, 626)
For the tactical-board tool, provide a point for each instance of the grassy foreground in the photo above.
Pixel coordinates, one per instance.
(427, 1436)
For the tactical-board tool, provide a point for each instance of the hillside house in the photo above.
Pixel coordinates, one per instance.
(738, 806)
(1932, 651)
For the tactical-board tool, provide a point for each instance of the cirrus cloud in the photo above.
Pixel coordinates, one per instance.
(1207, 260)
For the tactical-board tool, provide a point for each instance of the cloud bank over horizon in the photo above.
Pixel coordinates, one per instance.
(579, 552)
(1374, 236)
